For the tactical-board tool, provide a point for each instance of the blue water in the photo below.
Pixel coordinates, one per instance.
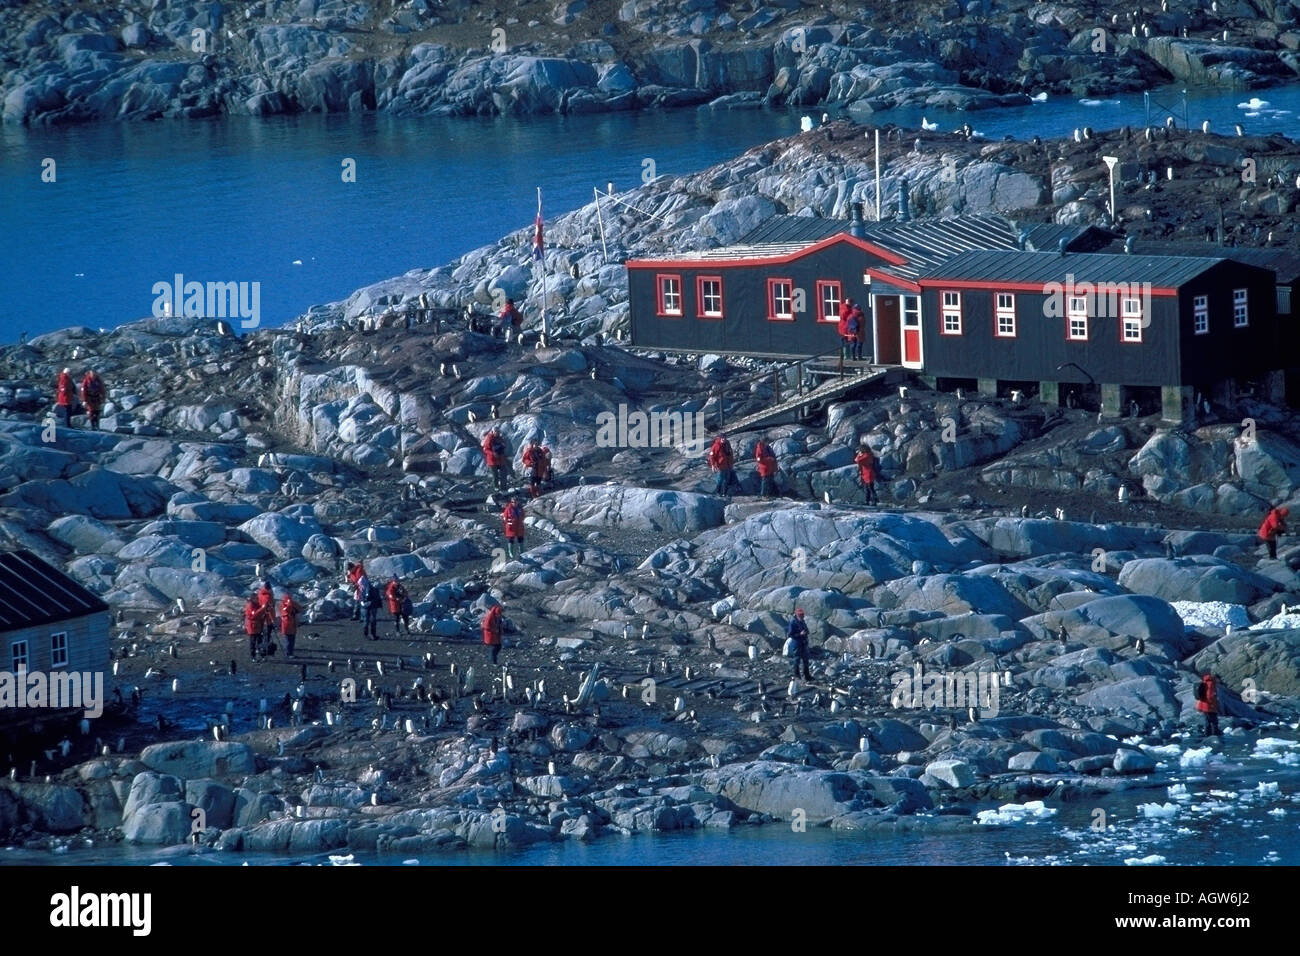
(243, 199)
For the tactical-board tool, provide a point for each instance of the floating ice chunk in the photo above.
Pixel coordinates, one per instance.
(1194, 757)
(1254, 103)
(337, 859)
(1029, 812)
(1277, 812)
(1267, 788)
(1162, 750)
(410, 863)
(1179, 792)
(1156, 811)
(1153, 860)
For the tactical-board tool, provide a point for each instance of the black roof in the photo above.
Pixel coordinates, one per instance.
(1284, 262)
(1044, 267)
(32, 593)
(782, 229)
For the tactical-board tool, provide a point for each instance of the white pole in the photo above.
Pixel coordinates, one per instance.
(546, 330)
(877, 174)
(604, 252)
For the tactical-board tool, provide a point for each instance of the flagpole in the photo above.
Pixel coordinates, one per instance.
(546, 330)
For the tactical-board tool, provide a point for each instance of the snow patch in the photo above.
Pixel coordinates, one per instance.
(1217, 614)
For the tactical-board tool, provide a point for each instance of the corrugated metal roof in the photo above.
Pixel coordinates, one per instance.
(1284, 262)
(766, 250)
(804, 230)
(1044, 267)
(32, 592)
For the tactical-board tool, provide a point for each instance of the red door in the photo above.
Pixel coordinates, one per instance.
(911, 330)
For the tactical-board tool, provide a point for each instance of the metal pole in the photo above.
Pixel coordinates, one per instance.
(877, 181)
(604, 253)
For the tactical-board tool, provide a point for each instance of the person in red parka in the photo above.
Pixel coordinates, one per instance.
(1274, 525)
(766, 458)
(537, 459)
(512, 517)
(395, 594)
(356, 571)
(65, 395)
(867, 464)
(846, 337)
(1208, 704)
(492, 630)
(510, 315)
(253, 625)
(289, 609)
(858, 326)
(93, 394)
(266, 604)
(496, 457)
(723, 461)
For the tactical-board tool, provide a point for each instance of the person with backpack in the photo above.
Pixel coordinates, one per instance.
(370, 598)
(496, 456)
(92, 396)
(1207, 702)
(537, 460)
(1274, 525)
(868, 466)
(253, 625)
(842, 327)
(289, 609)
(852, 326)
(65, 395)
(492, 630)
(723, 461)
(766, 459)
(266, 606)
(511, 316)
(355, 570)
(512, 519)
(797, 634)
(858, 326)
(398, 601)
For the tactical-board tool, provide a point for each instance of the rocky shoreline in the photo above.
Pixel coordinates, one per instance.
(653, 611)
(66, 62)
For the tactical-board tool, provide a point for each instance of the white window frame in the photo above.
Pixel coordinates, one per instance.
(1240, 308)
(665, 295)
(1201, 314)
(951, 311)
(1004, 312)
(705, 311)
(1078, 312)
(1131, 320)
(14, 656)
(58, 655)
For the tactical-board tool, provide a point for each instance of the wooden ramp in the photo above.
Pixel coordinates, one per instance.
(855, 377)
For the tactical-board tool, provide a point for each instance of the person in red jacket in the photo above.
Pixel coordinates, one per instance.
(93, 394)
(1208, 704)
(356, 571)
(253, 626)
(492, 630)
(64, 395)
(266, 604)
(1274, 525)
(537, 460)
(766, 458)
(846, 338)
(395, 594)
(289, 609)
(510, 314)
(865, 459)
(858, 326)
(496, 456)
(723, 461)
(512, 517)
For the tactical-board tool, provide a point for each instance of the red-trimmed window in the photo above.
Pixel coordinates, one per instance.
(1004, 315)
(1201, 314)
(708, 297)
(950, 322)
(1240, 312)
(668, 295)
(1130, 324)
(780, 300)
(830, 295)
(1076, 322)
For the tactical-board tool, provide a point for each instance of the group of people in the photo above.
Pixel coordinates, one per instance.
(261, 616)
(722, 461)
(536, 459)
(368, 598)
(853, 330)
(93, 395)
